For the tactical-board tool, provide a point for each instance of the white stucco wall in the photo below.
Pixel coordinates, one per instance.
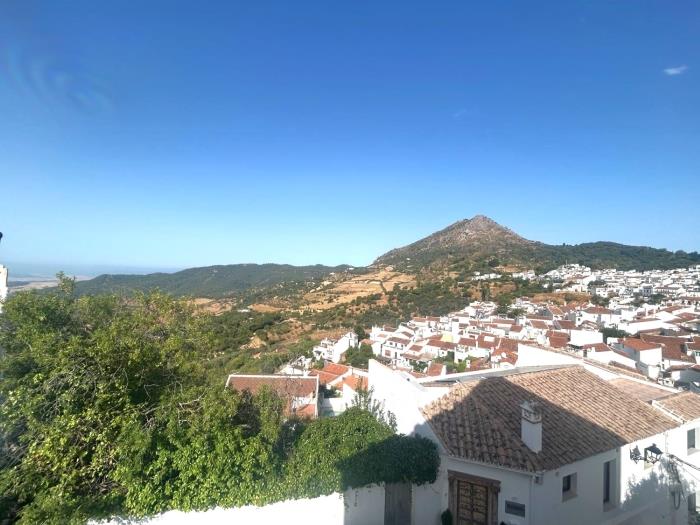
(585, 337)
(533, 356)
(356, 507)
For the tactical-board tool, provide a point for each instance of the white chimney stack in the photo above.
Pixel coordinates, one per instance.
(531, 425)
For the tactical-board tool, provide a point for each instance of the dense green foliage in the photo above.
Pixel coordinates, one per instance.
(613, 332)
(599, 255)
(110, 408)
(359, 357)
(208, 281)
(354, 450)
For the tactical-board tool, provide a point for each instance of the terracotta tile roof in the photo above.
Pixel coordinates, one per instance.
(676, 368)
(565, 325)
(336, 369)
(285, 385)
(597, 347)
(558, 341)
(510, 345)
(323, 377)
(330, 372)
(643, 391)
(445, 345)
(435, 369)
(307, 411)
(671, 347)
(355, 382)
(582, 415)
(685, 405)
(598, 310)
(639, 345)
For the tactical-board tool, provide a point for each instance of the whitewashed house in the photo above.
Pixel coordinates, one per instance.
(548, 446)
(334, 349)
(648, 356)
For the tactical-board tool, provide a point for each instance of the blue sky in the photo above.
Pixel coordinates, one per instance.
(176, 134)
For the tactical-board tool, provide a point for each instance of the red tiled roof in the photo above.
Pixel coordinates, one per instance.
(582, 415)
(297, 386)
(685, 405)
(598, 347)
(323, 377)
(671, 347)
(333, 368)
(639, 345)
(558, 341)
(598, 310)
(510, 345)
(356, 382)
(435, 369)
(288, 388)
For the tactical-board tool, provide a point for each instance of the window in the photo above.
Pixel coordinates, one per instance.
(691, 441)
(568, 487)
(609, 485)
(517, 509)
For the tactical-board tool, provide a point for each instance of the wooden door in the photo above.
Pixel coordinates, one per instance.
(397, 504)
(472, 503)
(473, 500)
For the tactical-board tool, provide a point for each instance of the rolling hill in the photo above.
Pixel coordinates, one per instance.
(466, 245)
(209, 281)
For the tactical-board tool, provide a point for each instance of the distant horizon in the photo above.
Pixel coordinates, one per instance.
(47, 269)
(171, 135)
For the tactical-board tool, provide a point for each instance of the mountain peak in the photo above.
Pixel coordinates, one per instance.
(482, 219)
(475, 238)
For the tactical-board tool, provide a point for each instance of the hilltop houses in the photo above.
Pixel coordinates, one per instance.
(334, 349)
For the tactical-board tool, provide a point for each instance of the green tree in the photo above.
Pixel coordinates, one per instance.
(359, 357)
(360, 332)
(76, 374)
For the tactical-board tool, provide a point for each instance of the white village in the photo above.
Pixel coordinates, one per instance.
(546, 417)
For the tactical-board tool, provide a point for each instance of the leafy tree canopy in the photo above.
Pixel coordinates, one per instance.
(108, 409)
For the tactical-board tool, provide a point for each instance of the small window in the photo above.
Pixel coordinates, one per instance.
(517, 509)
(691, 441)
(568, 487)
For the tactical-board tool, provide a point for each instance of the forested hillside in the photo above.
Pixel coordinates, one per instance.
(209, 281)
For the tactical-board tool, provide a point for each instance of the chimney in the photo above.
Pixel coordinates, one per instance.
(531, 425)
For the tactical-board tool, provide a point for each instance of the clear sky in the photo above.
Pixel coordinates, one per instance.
(175, 134)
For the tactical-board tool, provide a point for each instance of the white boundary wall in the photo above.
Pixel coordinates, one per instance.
(363, 506)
